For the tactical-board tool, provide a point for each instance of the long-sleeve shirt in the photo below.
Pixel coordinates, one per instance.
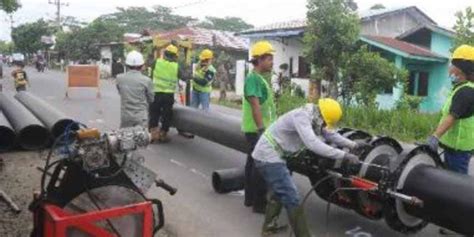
(294, 131)
(136, 93)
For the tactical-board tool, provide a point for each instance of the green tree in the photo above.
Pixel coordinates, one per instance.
(9, 6)
(234, 24)
(377, 6)
(27, 37)
(6, 47)
(368, 74)
(332, 31)
(136, 19)
(82, 44)
(464, 28)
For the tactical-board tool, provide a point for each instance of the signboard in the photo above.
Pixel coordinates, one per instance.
(83, 76)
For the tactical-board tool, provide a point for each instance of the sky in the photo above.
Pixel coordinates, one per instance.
(256, 12)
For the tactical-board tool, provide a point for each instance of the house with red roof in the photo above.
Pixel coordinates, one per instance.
(405, 36)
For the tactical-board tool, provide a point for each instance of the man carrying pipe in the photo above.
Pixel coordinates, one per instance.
(307, 127)
(165, 74)
(136, 92)
(258, 112)
(202, 81)
(455, 132)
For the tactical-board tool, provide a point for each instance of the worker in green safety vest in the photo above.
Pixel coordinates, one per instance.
(203, 77)
(455, 132)
(165, 73)
(258, 113)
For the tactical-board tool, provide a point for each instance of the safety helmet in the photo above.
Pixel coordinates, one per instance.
(134, 59)
(464, 52)
(261, 48)
(206, 54)
(172, 49)
(331, 111)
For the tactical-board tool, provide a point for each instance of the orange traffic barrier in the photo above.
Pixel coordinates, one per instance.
(83, 76)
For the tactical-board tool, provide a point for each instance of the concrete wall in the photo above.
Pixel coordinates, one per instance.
(391, 25)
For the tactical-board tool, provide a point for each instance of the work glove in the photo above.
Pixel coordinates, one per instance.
(350, 158)
(433, 142)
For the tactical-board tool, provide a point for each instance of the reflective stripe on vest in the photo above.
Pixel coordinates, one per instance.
(277, 147)
(165, 76)
(267, 109)
(461, 135)
(200, 74)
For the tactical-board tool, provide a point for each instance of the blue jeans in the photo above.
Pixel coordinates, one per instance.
(200, 98)
(457, 161)
(278, 179)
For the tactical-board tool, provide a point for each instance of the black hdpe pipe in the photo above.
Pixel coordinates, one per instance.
(228, 180)
(221, 129)
(55, 121)
(30, 132)
(7, 135)
(448, 197)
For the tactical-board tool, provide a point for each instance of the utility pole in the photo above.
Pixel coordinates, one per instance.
(58, 4)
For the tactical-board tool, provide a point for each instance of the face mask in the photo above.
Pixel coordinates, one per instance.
(454, 79)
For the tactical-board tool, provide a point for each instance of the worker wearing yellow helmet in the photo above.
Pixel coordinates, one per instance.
(310, 127)
(165, 75)
(204, 75)
(258, 112)
(455, 132)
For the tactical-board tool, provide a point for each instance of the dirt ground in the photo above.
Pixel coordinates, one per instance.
(19, 178)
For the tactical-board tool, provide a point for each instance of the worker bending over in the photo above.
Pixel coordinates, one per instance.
(136, 92)
(258, 112)
(165, 74)
(203, 77)
(455, 132)
(308, 127)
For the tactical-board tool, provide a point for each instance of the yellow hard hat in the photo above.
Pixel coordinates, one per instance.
(261, 48)
(464, 52)
(206, 54)
(331, 111)
(172, 49)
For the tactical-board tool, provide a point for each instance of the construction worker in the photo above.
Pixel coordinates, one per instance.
(308, 127)
(19, 74)
(203, 77)
(455, 132)
(165, 75)
(136, 92)
(258, 112)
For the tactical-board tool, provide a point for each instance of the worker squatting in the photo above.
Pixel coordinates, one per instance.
(273, 141)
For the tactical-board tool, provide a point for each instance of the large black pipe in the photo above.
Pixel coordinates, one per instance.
(7, 135)
(228, 180)
(55, 121)
(30, 132)
(221, 129)
(448, 197)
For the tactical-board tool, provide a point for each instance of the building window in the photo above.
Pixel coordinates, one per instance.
(304, 69)
(418, 83)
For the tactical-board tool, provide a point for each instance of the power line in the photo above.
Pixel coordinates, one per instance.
(58, 5)
(189, 4)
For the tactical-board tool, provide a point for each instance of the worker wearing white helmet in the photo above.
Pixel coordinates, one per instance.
(136, 92)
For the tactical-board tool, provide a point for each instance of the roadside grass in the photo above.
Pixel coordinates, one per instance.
(402, 124)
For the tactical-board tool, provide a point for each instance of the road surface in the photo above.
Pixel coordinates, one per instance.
(196, 210)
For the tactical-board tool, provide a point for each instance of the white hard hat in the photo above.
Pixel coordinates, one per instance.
(134, 59)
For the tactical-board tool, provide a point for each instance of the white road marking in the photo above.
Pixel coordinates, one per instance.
(239, 193)
(200, 174)
(177, 163)
(99, 121)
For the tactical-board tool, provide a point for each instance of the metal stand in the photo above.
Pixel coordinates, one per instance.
(9, 201)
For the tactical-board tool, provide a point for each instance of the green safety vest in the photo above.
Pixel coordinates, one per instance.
(165, 76)
(461, 135)
(268, 110)
(285, 155)
(199, 74)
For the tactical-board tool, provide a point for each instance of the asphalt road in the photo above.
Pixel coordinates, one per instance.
(196, 210)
